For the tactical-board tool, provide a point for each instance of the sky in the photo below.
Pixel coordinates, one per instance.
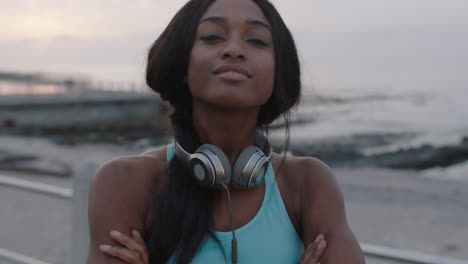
(330, 35)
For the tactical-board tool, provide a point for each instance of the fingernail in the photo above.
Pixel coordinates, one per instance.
(319, 237)
(105, 247)
(137, 233)
(321, 245)
(116, 233)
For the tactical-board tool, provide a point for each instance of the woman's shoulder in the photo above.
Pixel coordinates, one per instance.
(298, 180)
(316, 189)
(120, 194)
(132, 171)
(126, 176)
(308, 179)
(320, 207)
(298, 170)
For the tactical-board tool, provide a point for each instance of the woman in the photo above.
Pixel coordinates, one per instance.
(229, 68)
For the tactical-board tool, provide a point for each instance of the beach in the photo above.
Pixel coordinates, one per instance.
(396, 209)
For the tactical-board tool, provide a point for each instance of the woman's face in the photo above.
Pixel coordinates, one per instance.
(232, 62)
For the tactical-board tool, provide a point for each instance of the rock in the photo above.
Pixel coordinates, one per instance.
(424, 157)
(402, 157)
(347, 151)
(328, 152)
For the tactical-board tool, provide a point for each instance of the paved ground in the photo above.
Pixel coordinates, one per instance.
(383, 208)
(35, 225)
(405, 211)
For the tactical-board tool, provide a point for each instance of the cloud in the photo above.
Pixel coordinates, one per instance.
(66, 49)
(356, 33)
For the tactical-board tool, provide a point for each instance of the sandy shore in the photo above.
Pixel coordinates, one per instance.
(401, 209)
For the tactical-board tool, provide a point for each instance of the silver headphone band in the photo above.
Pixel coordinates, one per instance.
(260, 141)
(217, 168)
(181, 153)
(256, 168)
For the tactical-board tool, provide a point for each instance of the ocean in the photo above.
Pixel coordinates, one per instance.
(403, 107)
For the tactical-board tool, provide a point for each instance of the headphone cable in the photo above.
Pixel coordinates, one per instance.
(234, 240)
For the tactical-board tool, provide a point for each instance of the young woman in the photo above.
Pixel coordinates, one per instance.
(229, 68)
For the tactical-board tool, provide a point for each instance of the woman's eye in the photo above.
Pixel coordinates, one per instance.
(259, 42)
(210, 38)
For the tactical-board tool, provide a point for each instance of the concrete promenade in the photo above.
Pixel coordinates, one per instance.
(429, 219)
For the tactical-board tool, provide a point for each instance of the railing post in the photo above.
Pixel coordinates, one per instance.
(80, 227)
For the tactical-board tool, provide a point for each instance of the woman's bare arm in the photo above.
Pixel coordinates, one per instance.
(323, 211)
(117, 201)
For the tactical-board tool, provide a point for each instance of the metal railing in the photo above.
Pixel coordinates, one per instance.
(79, 197)
(405, 256)
(10, 257)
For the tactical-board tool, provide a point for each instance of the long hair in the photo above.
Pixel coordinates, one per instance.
(175, 230)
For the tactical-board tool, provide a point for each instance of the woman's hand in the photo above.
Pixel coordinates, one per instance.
(314, 251)
(133, 250)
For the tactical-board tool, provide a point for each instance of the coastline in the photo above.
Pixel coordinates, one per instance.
(398, 209)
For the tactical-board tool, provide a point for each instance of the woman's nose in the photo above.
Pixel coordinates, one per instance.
(233, 51)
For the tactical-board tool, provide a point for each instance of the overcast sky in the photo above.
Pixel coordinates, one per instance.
(358, 33)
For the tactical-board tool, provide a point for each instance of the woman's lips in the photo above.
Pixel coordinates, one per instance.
(232, 76)
(232, 72)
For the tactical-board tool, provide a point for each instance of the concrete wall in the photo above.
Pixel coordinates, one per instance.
(85, 110)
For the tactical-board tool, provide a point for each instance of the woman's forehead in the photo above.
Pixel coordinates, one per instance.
(235, 11)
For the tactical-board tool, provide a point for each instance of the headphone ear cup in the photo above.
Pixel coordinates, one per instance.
(223, 176)
(241, 176)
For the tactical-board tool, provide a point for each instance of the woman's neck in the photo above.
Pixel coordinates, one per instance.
(230, 130)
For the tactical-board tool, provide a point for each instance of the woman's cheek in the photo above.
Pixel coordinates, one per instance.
(268, 79)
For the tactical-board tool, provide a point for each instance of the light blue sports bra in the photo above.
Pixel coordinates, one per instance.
(270, 237)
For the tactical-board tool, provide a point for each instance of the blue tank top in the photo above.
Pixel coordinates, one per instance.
(270, 237)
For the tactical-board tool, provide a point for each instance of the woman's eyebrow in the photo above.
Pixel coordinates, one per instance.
(258, 23)
(223, 19)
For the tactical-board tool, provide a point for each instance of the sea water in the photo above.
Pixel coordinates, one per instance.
(408, 106)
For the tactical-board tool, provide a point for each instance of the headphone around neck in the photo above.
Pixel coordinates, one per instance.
(210, 167)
